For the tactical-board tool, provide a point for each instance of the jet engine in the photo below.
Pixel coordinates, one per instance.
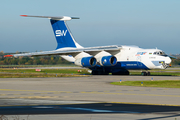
(107, 60)
(86, 61)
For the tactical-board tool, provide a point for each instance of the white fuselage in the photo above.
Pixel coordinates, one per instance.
(132, 57)
(145, 57)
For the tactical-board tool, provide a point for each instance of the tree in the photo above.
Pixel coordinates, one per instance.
(2, 53)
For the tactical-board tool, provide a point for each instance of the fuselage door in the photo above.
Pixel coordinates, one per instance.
(139, 61)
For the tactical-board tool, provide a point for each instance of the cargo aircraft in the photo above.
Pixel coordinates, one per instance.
(102, 60)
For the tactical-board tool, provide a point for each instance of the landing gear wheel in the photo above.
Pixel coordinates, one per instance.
(145, 73)
(148, 73)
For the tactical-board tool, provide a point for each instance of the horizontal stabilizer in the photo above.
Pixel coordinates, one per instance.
(52, 17)
(8, 55)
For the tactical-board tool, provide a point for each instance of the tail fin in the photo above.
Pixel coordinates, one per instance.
(61, 31)
(63, 36)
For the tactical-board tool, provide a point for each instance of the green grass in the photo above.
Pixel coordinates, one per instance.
(10, 72)
(27, 66)
(64, 71)
(31, 75)
(28, 73)
(161, 83)
(156, 73)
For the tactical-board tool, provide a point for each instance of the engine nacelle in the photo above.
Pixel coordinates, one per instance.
(86, 61)
(107, 60)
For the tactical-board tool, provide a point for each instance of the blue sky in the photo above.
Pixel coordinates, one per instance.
(144, 23)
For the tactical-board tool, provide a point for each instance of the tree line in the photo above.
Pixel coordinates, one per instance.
(176, 61)
(48, 60)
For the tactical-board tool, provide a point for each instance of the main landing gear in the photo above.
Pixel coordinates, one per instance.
(103, 72)
(147, 73)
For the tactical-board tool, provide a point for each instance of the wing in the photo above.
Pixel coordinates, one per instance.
(113, 49)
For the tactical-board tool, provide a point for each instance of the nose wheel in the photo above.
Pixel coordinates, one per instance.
(147, 73)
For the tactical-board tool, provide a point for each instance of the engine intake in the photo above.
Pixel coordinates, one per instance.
(107, 60)
(86, 61)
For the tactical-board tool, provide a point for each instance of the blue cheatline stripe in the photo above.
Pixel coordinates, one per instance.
(129, 65)
(62, 34)
(133, 65)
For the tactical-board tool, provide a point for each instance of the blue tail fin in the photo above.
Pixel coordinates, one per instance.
(63, 36)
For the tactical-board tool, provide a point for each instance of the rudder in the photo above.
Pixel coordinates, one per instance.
(63, 36)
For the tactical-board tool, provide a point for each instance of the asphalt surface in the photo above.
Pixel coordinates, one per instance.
(87, 98)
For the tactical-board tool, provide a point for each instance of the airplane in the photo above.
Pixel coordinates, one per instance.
(102, 60)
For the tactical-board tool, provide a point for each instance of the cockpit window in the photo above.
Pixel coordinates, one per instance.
(160, 53)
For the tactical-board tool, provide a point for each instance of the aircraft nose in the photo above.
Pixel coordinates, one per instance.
(168, 60)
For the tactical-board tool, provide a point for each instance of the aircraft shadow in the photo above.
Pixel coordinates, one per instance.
(93, 108)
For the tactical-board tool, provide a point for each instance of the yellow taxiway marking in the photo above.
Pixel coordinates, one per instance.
(91, 92)
(35, 97)
(144, 103)
(3, 94)
(35, 91)
(132, 94)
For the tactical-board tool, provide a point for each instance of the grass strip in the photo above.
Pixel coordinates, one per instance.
(31, 66)
(158, 73)
(64, 71)
(75, 71)
(34, 75)
(159, 83)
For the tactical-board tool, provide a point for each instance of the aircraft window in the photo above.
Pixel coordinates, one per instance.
(160, 53)
(163, 54)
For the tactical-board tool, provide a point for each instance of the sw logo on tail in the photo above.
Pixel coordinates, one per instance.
(104, 59)
(59, 33)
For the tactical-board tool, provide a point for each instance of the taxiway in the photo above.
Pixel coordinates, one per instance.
(84, 95)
